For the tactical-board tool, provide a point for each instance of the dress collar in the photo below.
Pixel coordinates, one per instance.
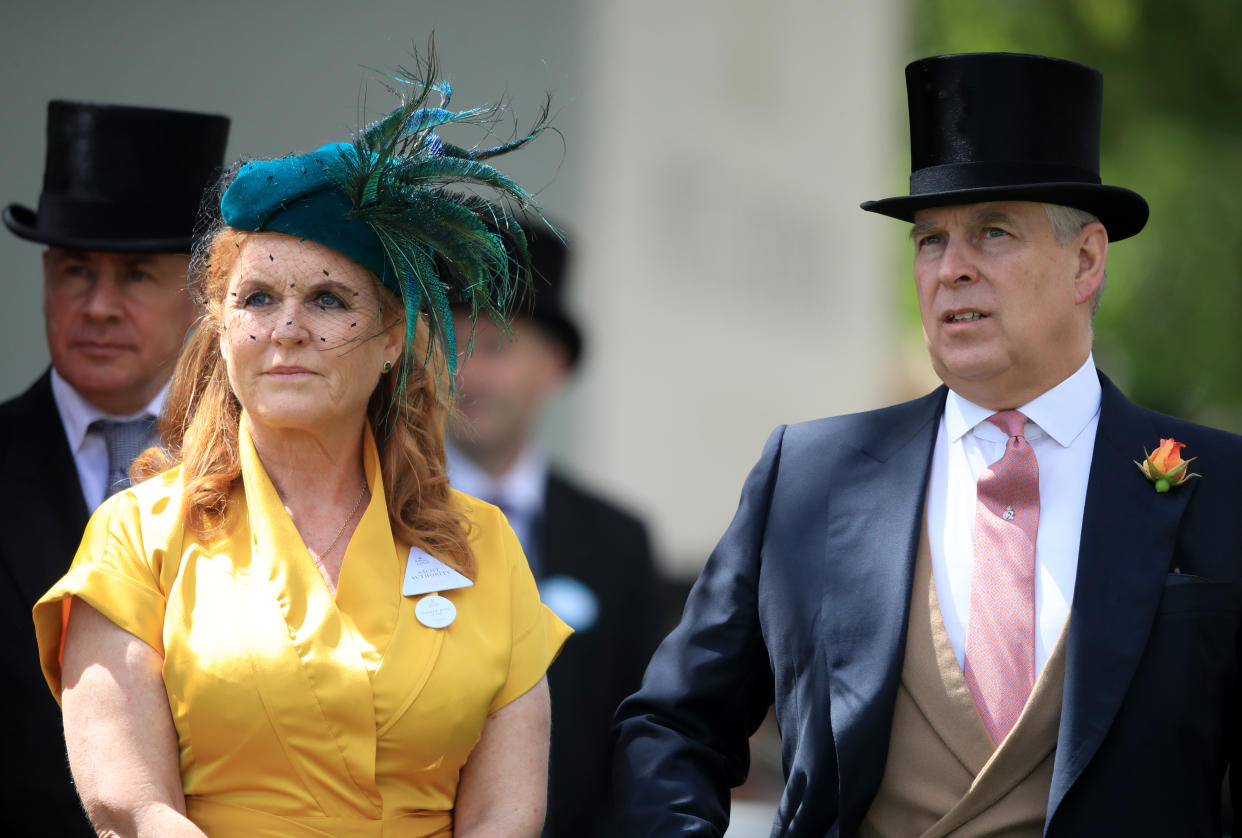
(270, 523)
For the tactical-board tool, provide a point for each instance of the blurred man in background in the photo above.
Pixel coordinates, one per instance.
(592, 560)
(121, 190)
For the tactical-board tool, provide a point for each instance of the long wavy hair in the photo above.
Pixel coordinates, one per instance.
(201, 414)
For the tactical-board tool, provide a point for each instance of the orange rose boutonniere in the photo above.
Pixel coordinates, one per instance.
(1165, 467)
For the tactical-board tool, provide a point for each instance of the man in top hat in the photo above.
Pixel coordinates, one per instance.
(592, 559)
(121, 190)
(974, 614)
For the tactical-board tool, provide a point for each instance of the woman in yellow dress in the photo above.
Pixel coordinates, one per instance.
(299, 629)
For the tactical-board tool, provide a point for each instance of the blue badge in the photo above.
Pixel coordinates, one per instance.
(570, 600)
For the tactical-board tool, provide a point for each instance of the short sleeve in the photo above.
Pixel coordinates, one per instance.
(538, 634)
(114, 574)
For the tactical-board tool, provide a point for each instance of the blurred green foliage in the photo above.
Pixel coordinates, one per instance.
(1170, 328)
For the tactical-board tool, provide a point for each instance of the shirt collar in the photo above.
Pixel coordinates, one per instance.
(77, 414)
(1062, 412)
(521, 487)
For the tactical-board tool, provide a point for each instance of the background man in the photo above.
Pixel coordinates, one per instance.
(121, 190)
(592, 560)
(974, 614)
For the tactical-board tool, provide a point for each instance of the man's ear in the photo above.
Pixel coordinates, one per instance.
(49, 267)
(1092, 249)
(47, 272)
(555, 359)
(563, 364)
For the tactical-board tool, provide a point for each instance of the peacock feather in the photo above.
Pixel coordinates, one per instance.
(446, 220)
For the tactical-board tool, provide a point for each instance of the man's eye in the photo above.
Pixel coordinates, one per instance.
(994, 232)
(75, 271)
(138, 275)
(932, 239)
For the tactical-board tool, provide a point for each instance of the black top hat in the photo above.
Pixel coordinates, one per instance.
(120, 178)
(1005, 127)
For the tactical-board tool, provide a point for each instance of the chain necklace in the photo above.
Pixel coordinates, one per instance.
(344, 523)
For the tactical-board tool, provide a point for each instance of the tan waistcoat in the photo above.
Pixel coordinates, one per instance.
(943, 778)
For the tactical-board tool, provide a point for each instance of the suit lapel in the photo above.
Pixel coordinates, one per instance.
(1128, 535)
(875, 509)
(45, 495)
(63, 483)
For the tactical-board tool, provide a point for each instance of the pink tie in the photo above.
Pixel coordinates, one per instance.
(1000, 640)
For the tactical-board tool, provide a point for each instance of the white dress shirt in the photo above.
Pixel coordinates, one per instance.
(519, 491)
(1061, 430)
(90, 452)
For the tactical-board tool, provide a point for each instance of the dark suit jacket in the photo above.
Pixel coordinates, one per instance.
(607, 550)
(45, 516)
(805, 602)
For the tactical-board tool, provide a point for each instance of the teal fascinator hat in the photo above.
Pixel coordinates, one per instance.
(432, 220)
(300, 196)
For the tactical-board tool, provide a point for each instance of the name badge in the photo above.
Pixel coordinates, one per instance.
(435, 611)
(425, 573)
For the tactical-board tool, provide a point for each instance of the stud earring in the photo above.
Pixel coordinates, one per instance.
(387, 366)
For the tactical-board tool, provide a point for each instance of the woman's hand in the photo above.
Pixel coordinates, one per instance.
(119, 730)
(503, 791)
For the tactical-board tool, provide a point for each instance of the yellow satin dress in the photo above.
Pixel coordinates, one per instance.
(299, 713)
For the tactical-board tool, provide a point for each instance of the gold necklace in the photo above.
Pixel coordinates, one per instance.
(344, 523)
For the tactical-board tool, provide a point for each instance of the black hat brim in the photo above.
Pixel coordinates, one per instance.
(561, 328)
(1122, 211)
(553, 324)
(24, 223)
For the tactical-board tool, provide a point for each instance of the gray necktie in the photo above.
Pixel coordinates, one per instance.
(125, 440)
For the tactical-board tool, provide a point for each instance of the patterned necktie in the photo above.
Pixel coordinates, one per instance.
(1000, 641)
(125, 440)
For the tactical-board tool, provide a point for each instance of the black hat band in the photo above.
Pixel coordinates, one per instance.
(982, 175)
(107, 218)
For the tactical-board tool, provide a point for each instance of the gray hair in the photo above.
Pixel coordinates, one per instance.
(1066, 223)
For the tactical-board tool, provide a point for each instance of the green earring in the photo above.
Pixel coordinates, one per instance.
(387, 366)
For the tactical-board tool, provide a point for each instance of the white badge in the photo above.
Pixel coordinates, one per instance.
(435, 611)
(424, 573)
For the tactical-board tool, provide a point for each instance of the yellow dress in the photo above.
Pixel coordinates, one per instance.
(299, 713)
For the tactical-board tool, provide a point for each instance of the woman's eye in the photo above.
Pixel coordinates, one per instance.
(326, 300)
(255, 299)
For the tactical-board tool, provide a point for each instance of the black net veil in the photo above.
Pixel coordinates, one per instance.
(264, 286)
